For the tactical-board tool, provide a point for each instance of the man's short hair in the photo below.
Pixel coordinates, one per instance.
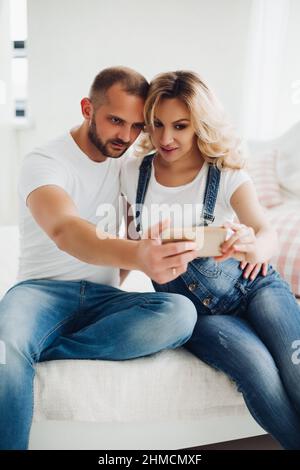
(133, 83)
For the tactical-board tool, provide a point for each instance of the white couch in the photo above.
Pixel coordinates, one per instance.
(169, 400)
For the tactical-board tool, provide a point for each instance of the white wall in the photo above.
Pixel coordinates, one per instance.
(69, 41)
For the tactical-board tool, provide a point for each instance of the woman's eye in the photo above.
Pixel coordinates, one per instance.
(179, 127)
(157, 124)
(139, 127)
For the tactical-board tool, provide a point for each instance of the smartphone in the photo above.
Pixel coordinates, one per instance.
(208, 239)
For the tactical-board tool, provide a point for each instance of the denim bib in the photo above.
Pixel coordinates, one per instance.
(210, 195)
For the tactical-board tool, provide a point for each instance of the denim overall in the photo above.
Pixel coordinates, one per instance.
(245, 328)
(214, 287)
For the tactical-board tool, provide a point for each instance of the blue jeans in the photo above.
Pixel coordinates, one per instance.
(247, 329)
(43, 320)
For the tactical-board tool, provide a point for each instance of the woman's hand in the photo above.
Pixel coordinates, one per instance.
(242, 245)
(252, 270)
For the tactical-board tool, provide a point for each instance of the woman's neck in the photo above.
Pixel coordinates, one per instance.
(179, 172)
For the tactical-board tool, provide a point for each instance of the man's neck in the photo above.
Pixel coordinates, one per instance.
(80, 136)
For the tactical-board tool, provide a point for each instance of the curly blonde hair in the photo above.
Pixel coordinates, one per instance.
(216, 140)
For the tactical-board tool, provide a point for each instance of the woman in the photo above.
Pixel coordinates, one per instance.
(248, 319)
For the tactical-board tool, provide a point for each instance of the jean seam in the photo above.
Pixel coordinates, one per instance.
(32, 406)
(36, 354)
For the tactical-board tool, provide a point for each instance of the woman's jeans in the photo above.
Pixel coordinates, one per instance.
(43, 320)
(251, 331)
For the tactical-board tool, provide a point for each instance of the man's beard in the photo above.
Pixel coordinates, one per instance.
(100, 145)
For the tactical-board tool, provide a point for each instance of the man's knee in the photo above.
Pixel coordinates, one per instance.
(15, 343)
(179, 316)
(2, 352)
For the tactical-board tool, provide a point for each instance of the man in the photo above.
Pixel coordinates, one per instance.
(66, 303)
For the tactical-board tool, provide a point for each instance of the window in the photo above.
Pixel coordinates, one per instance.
(18, 28)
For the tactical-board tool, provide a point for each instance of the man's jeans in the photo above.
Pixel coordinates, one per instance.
(43, 320)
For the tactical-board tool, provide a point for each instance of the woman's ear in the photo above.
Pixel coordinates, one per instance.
(86, 108)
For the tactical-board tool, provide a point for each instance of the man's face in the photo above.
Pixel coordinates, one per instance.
(117, 123)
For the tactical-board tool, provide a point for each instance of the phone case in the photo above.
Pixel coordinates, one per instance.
(208, 239)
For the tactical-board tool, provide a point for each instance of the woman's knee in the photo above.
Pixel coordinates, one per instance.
(226, 345)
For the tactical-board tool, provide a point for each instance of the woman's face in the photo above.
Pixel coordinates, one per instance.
(173, 135)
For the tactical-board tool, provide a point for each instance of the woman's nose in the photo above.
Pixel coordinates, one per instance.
(166, 137)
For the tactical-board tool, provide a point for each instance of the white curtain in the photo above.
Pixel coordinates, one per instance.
(265, 53)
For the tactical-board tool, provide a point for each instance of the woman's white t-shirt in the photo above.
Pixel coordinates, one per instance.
(181, 204)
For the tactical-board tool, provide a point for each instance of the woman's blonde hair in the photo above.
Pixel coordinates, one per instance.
(216, 140)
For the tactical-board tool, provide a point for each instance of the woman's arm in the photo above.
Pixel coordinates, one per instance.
(253, 238)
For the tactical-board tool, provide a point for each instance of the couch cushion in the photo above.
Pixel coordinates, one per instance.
(288, 161)
(286, 220)
(262, 169)
(287, 147)
(170, 385)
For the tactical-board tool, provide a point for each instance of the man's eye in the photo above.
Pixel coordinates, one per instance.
(115, 120)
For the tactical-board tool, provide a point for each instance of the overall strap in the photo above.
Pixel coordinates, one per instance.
(143, 182)
(211, 193)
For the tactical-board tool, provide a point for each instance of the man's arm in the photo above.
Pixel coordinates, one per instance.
(57, 215)
(129, 219)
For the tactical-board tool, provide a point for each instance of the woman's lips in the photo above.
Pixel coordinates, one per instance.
(168, 149)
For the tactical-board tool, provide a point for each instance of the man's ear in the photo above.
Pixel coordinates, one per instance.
(86, 108)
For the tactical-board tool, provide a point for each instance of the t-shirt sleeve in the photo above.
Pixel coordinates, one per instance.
(40, 170)
(233, 179)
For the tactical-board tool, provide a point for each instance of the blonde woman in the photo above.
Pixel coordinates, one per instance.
(248, 319)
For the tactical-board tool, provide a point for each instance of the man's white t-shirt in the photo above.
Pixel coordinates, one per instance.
(95, 190)
(181, 204)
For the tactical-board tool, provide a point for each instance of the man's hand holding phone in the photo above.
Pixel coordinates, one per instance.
(164, 262)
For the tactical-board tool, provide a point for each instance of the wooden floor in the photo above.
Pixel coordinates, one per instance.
(265, 442)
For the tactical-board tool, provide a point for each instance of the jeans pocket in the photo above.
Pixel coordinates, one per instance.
(207, 267)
